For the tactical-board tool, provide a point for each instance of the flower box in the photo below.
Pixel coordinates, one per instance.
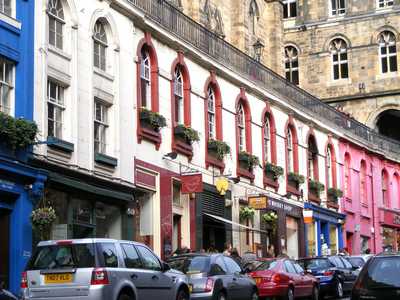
(272, 171)
(247, 161)
(218, 149)
(295, 179)
(186, 134)
(151, 120)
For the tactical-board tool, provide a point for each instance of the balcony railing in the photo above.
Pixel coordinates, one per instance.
(173, 20)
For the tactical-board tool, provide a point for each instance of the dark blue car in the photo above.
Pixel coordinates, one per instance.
(335, 274)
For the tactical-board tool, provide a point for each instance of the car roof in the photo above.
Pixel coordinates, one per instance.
(315, 257)
(195, 254)
(86, 241)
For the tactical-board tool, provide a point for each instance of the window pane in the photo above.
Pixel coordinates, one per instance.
(384, 65)
(295, 78)
(288, 75)
(393, 63)
(285, 11)
(335, 72)
(293, 9)
(335, 57)
(149, 260)
(109, 255)
(52, 31)
(344, 70)
(343, 56)
(383, 50)
(131, 256)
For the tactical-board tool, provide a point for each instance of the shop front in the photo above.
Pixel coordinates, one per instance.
(324, 232)
(390, 230)
(286, 234)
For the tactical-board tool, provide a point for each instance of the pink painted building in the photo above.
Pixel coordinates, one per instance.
(371, 199)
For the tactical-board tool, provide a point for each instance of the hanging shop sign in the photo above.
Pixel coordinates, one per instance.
(258, 202)
(308, 216)
(191, 183)
(222, 185)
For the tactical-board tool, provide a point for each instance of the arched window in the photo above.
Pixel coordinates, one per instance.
(329, 168)
(211, 113)
(292, 64)
(338, 49)
(56, 22)
(312, 153)
(363, 182)
(385, 189)
(253, 16)
(347, 178)
(387, 52)
(241, 127)
(178, 93)
(291, 149)
(338, 7)
(395, 191)
(267, 140)
(100, 46)
(145, 80)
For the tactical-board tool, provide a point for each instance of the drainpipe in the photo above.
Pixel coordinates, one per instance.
(373, 207)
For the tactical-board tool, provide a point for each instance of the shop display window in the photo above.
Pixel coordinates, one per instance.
(312, 245)
(364, 243)
(333, 239)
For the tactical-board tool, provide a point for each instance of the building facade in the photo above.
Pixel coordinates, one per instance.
(20, 185)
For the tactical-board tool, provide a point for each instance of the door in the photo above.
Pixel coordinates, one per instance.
(155, 283)
(305, 279)
(176, 233)
(4, 246)
(295, 278)
(243, 286)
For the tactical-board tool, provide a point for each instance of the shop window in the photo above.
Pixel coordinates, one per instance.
(387, 52)
(289, 8)
(176, 193)
(5, 7)
(143, 220)
(364, 243)
(333, 239)
(100, 126)
(340, 65)
(363, 182)
(347, 178)
(385, 189)
(56, 23)
(55, 109)
(292, 237)
(6, 85)
(385, 3)
(108, 221)
(150, 261)
(311, 239)
(338, 7)
(292, 64)
(389, 239)
(100, 45)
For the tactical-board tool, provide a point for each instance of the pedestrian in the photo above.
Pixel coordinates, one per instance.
(368, 251)
(211, 249)
(270, 251)
(235, 256)
(227, 249)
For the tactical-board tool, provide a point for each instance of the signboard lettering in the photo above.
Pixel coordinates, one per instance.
(259, 202)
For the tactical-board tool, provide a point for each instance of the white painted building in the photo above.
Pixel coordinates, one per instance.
(89, 56)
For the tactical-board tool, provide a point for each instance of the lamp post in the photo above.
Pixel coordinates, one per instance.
(258, 50)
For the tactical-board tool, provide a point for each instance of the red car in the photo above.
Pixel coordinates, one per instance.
(284, 278)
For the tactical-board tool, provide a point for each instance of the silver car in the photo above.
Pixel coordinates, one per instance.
(95, 269)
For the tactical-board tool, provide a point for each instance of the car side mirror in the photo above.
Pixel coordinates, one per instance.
(165, 267)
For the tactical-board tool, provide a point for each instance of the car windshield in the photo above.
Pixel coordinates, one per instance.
(266, 265)
(356, 262)
(383, 273)
(63, 256)
(191, 265)
(315, 264)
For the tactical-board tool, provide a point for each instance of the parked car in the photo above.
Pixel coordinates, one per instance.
(215, 277)
(284, 278)
(379, 279)
(100, 269)
(358, 261)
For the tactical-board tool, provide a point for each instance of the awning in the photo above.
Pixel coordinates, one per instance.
(223, 220)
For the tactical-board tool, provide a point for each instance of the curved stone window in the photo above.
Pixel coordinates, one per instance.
(292, 64)
(387, 52)
(340, 64)
(56, 23)
(100, 46)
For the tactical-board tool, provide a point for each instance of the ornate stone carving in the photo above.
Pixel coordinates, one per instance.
(211, 17)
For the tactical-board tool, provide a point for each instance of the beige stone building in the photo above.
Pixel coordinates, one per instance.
(343, 51)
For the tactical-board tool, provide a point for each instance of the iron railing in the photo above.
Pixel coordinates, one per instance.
(193, 33)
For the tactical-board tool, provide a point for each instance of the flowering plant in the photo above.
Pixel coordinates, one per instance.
(247, 213)
(271, 218)
(42, 218)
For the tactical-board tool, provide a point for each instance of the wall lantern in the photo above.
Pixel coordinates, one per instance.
(258, 50)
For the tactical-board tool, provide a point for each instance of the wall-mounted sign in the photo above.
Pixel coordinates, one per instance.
(222, 185)
(258, 202)
(191, 183)
(308, 216)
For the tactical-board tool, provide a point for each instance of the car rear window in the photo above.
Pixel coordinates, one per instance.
(315, 264)
(383, 273)
(266, 265)
(191, 265)
(356, 261)
(63, 256)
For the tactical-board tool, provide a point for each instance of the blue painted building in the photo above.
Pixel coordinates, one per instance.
(325, 234)
(20, 185)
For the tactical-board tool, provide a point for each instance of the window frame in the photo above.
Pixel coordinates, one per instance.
(179, 106)
(241, 127)
(385, 188)
(58, 104)
(312, 158)
(382, 4)
(339, 62)
(59, 19)
(10, 7)
(145, 80)
(289, 7)
(347, 176)
(7, 85)
(290, 70)
(388, 53)
(363, 182)
(102, 147)
(211, 114)
(335, 8)
(101, 46)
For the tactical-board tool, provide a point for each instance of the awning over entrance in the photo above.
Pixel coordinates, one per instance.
(223, 220)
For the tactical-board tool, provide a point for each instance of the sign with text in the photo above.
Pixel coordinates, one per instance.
(191, 183)
(258, 202)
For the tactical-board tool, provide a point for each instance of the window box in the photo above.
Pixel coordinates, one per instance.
(105, 159)
(186, 134)
(59, 144)
(246, 163)
(272, 174)
(314, 190)
(334, 194)
(332, 204)
(151, 120)
(218, 149)
(294, 180)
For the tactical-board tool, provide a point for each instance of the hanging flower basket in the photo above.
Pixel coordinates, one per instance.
(42, 219)
(273, 171)
(152, 119)
(218, 149)
(246, 213)
(271, 218)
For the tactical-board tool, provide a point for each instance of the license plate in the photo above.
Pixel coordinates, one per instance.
(258, 280)
(57, 278)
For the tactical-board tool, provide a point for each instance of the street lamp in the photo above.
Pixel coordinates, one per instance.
(258, 50)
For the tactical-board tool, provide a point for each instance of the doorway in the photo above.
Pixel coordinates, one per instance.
(176, 234)
(4, 246)
(214, 234)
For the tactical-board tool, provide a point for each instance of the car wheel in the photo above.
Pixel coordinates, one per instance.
(124, 297)
(182, 295)
(339, 289)
(315, 293)
(290, 294)
(254, 296)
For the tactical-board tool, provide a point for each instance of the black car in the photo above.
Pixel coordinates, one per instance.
(379, 279)
(215, 277)
(336, 275)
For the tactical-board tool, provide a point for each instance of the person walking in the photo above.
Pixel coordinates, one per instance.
(227, 249)
(235, 256)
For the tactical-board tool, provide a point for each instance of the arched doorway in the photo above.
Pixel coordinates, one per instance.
(387, 123)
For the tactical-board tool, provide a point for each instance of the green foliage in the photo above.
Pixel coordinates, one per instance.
(277, 171)
(299, 179)
(270, 217)
(189, 134)
(246, 213)
(316, 186)
(221, 148)
(42, 218)
(335, 193)
(249, 159)
(154, 119)
(17, 133)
